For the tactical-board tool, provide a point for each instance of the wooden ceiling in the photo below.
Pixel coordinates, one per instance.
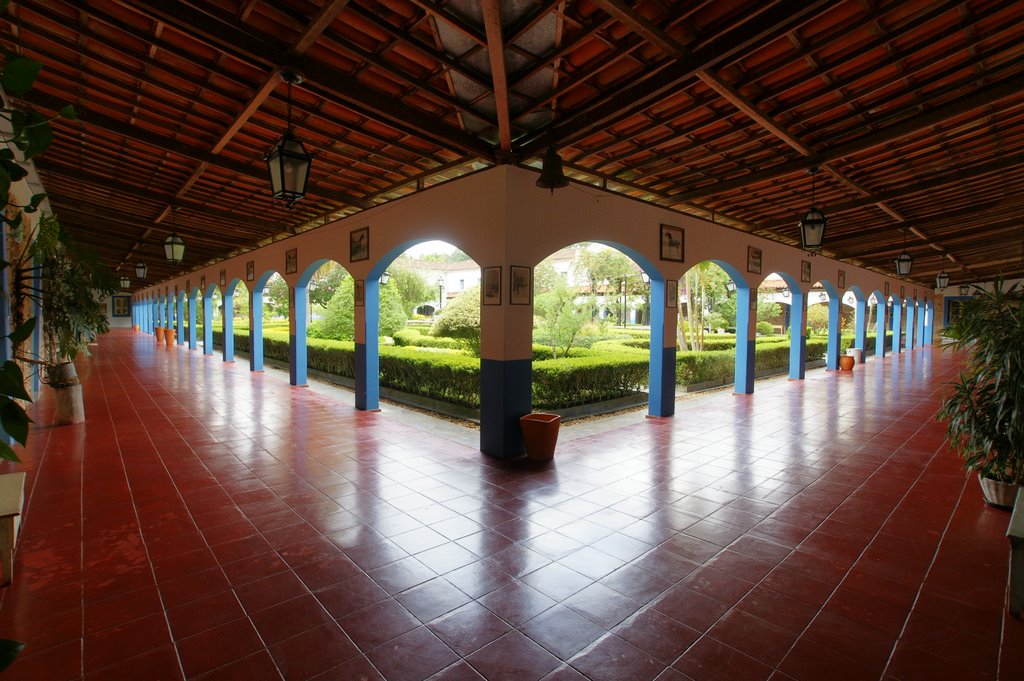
(913, 110)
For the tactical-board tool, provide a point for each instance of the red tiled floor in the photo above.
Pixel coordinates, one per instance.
(235, 527)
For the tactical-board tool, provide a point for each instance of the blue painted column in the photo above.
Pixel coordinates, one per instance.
(37, 333)
(897, 326)
(367, 359)
(860, 325)
(256, 330)
(880, 327)
(798, 336)
(746, 329)
(192, 339)
(832, 357)
(909, 326)
(228, 315)
(208, 322)
(153, 314)
(661, 400)
(929, 318)
(298, 298)
(180, 299)
(919, 336)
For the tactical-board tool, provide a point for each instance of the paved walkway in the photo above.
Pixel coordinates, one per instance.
(211, 523)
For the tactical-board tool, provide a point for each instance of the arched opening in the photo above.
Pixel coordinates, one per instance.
(706, 327)
(423, 329)
(321, 308)
(268, 320)
(780, 311)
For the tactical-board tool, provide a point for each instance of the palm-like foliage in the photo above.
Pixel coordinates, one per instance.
(984, 412)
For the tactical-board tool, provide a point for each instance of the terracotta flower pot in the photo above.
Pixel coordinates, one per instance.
(169, 337)
(135, 328)
(846, 363)
(540, 434)
(159, 332)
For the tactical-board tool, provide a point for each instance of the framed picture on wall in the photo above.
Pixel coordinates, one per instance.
(841, 279)
(753, 260)
(672, 246)
(250, 270)
(188, 286)
(120, 306)
(886, 292)
(671, 293)
(359, 244)
(490, 290)
(223, 278)
(291, 261)
(915, 294)
(202, 283)
(520, 288)
(360, 292)
(805, 271)
(903, 291)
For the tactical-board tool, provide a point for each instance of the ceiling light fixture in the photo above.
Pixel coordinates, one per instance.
(174, 246)
(125, 282)
(288, 163)
(141, 270)
(812, 224)
(904, 262)
(942, 280)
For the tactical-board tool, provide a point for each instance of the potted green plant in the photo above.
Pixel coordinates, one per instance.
(984, 410)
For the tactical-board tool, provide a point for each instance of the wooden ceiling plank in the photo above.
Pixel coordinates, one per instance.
(496, 55)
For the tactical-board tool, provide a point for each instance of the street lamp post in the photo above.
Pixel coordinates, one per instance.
(440, 291)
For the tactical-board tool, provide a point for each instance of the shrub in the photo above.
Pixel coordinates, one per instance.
(580, 380)
(765, 328)
(461, 320)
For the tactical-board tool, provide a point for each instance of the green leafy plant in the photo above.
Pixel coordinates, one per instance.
(984, 410)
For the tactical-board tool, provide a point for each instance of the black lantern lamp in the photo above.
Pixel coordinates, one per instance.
(125, 282)
(813, 223)
(644, 277)
(730, 285)
(141, 270)
(551, 175)
(288, 163)
(174, 248)
(942, 280)
(385, 278)
(965, 289)
(903, 261)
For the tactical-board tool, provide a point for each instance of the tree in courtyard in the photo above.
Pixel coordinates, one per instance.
(412, 288)
(461, 320)
(339, 320)
(561, 318)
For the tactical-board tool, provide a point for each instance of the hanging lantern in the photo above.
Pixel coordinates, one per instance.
(812, 224)
(125, 282)
(903, 261)
(141, 270)
(174, 248)
(942, 280)
(903, 264)
(551, 175)
(965, 289)
(288, 163)
(385, 278)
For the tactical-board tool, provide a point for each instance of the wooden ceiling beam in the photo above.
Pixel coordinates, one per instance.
(219, 30)
(89, 117)
(496, 55)
(980, 98)
(626, 101)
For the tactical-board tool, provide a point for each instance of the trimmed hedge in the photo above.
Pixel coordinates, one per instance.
(582, 380)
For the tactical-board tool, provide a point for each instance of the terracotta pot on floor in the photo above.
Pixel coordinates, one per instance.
(159, 332)
(846, 363)
(540, 434)
(169, 337)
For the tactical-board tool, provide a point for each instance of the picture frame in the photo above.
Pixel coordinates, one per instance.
(202, 283)
(120, 306)
(359, 289)
(250, 270)
(886, 292)
(490, 286)
(223, 278)
(805, 271)
(915, 294)
(291, 261)
(672, 243)
(520, 285)
(188, 287)
(359, 244)
(754, 256)
(671, 293)
(841, 279)
(903, 292)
